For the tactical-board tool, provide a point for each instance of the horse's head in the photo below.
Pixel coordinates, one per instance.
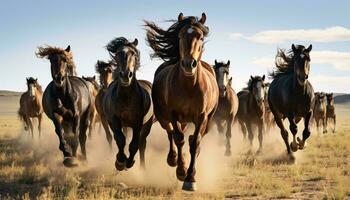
(191, 40)
(105, 69)
(301, 60)
(330, 98)
(320, 101)
(61, 61)
(32, 85)
(127, 57)
(257, 87)
(222, 71)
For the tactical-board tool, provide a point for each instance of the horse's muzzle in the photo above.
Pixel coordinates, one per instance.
(59, 80)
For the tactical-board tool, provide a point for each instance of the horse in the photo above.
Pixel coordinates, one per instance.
(30, 105)
(184, 88)
(319, 111)
(67, 102)
(105, 71)
(269, 119)
(291, 95)
(94, 88)
(128, 102)
(251, 109)
(228, 102)
(330, 113)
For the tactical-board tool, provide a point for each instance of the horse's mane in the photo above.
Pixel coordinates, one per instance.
(102, 65)
(284, 62)
(46, 51)
(115, 45)
(251, 81)
(165, 43)
(33, 80)
(222, 64)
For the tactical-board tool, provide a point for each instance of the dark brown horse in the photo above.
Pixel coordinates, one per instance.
(30, 105)
(128, 102)
(93, 88)
(67, 102)
(269, 119)
(184, 88)
(251, 109)
(291, 95)
(319, 111)
(105, 70)
(330, 114)
(228, 102)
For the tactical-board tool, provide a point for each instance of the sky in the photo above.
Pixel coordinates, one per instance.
(247, 33)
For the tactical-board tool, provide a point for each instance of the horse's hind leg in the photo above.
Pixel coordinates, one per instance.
(284, 134)
(107, 131)
(143, 141)
(92, 123)
(294, 129)
(306, 132)
(30, 122)
(261, 128)
(228, 136)
(39, 124)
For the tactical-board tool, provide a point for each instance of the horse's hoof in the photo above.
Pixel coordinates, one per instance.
(181, 173)
(172, 160)
(259, 152)
(291, 159)
(120, 166)
(130, 163)
(189, 186)
(70, 162)
(325, 131)
(294, 146)
(228, 153)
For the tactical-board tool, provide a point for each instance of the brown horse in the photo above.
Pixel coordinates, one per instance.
(269, 119)
(94, 88)
(184, 88)
(251, 109)
(228, 102)
(128, 102)
(330, 114)
(319, 111)
(67, 102)
(30, 105)
(105, 70)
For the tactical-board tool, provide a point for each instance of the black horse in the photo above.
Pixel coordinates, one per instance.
(67, 102)
(291, 95)
(128, 103)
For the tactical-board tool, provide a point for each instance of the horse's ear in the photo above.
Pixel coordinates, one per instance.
(216, 62)
(135, 42)
(228, 62)
(94, 77)
(263, 77)
(230, 81)
(309, 48)
(251, 77)
(294, 49)
(203, 18)
(82, 77)
(180, 17)
(68, 48)
(36, 80)
(27, 79)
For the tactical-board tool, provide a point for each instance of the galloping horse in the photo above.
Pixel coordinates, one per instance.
(269, 119)
(251, 109)
(184, 88)
(105, 70)
(319, 111)
(330, 110)
(30, 105)
(228, 102)
(128, 102)
(67, 102)
(94, 88)
(291, 95)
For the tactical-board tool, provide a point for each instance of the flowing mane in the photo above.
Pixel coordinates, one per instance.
(102, 66)
(47, 51)
(284, 62)
(165, 43)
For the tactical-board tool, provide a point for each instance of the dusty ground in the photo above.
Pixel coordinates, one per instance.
(32, 169)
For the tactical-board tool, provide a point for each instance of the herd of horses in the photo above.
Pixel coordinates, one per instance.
(185, 90)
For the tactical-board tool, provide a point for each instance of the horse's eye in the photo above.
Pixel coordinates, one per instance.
(202, 39)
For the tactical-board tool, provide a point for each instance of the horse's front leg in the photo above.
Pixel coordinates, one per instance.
(324, 125)
(261, 128)
(134, 145)
(306, 132)
(179, 140)
(119, 137)
(294, 129)
(228, 135)
(75, 128)
(334, 121)
(40, 117)
(194, 141)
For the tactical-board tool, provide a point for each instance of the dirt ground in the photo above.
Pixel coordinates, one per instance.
(33, 169)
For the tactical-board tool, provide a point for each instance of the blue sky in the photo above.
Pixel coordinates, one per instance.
(246, 32)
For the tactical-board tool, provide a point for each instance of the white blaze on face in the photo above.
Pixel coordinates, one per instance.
(223, 79)
(31, 90)
(260, 91)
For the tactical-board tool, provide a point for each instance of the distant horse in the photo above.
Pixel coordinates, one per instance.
(228, 102)
(319, 111)
(94, 88)
(291, 95)
(67, 102)
(184, 88)
(251, 109)
(269, 119)
(128, 102)
(330, 114)
(105, 70)
(30, 105)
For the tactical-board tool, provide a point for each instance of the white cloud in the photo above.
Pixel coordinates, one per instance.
(331, 34)
(339, 60)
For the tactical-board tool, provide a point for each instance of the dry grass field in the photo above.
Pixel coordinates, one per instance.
(33, 169)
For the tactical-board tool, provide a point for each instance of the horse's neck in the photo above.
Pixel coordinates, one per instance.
(298, 88)
(129, 91)
(66, 90)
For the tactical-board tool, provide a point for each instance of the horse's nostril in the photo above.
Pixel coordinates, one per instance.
(193, 63)
(307, 76)
(130, 74)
